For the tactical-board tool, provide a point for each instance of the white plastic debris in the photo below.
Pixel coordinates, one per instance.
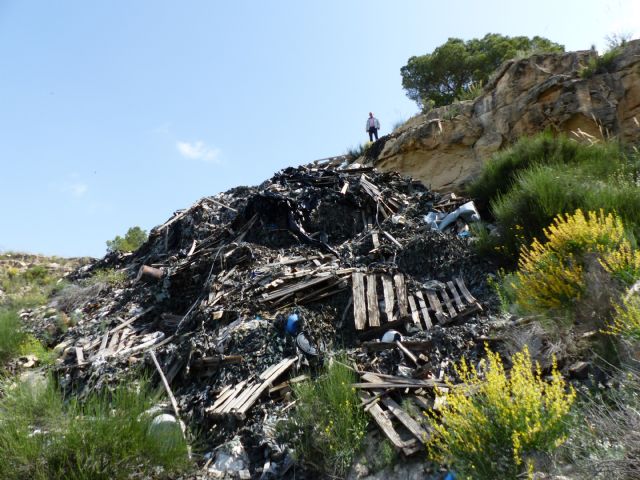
(467, 212)
(166, 430)
(391, 336)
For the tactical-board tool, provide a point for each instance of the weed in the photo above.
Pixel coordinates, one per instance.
(471, 92)
(601, 63)
(385, 456)
(328, 424)
(43, 437)
(489, 428)
(358, 151)
(109, 276)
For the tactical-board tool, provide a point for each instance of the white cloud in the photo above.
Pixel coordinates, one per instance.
(198, 150)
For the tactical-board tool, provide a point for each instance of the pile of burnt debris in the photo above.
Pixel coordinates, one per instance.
(246, 292)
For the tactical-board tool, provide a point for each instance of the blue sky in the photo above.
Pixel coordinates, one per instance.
(117, 113)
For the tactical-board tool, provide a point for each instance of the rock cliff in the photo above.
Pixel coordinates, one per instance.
(446, 147)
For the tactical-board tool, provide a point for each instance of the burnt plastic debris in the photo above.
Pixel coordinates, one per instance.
(293, 324)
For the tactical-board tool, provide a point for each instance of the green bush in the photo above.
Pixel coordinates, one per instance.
(43, 437)
(328, 424)
(602, 63)
(541, 177)
(490, 427)
(133, 239)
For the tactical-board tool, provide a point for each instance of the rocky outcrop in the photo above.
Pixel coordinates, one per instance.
(447, 147)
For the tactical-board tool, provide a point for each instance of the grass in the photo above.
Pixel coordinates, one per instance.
(45, 437)
(328, 425)
(358, 151)
(605, 431)
(11, 334)
(543, 176)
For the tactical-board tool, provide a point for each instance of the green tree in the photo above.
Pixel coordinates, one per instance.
(440, 77)
(132, 240)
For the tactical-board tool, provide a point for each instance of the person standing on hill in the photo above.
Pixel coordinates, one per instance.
(372, 127)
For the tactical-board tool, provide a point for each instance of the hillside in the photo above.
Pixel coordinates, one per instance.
(361, 319)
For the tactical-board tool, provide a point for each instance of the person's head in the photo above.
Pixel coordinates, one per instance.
(370, 114)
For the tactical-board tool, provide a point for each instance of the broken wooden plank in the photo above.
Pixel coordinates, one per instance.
(220, 204)
(466, 294)
(218, 407)
(373, 311)
(425, 311)
(296, 287)
(226, 395)
(193, 248)
(281, 368)
(404, 350)
(174, 404)
(387, 288)
(131, 320)
(435, 305)
(401, 293)
(80, 356)
(385, 424)
(359, 302)
(448, 304)
(456, 296)
(414, 427)
(392, 238)
(415, 314)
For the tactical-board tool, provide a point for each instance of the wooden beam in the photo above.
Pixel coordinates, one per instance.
(425, 311)
(387, 287)
(456, 297)
(372, 301)
(436, 306)
(414, 427)
(415, 314)
(359, 302)
(401, 293)
(448, 304)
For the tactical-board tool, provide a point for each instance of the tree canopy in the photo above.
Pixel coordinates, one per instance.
(132, 240)
(440, 77)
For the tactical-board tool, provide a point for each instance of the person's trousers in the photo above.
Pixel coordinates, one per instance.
(373, 131)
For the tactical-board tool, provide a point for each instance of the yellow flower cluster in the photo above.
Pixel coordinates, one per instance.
(551, 273)
(487, 428)
(626, 322)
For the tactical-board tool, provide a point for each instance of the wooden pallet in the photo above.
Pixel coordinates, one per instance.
(405, 431)
(380, 298)
(238, 399)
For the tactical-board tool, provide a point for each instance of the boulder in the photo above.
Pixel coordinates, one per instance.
(447, 147)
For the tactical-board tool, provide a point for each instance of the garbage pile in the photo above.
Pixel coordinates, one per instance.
(247, 291)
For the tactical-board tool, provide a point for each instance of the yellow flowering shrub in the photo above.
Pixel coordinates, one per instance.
(550, 274)
(486, 429)
(626, 321)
